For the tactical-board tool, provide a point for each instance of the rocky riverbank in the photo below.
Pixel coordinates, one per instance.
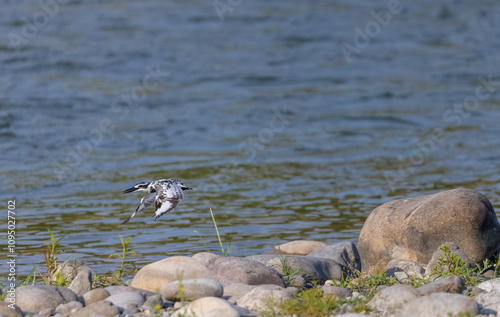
(427, 256)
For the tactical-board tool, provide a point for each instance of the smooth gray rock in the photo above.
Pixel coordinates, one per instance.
(334, 291)
(236, 290)
(193, 289)
(310, 268)
(123, 299)
(230, 270)
(449, 284)
(441, 305)
(118, 289)
(491, 286)
(409, 267)
(69, 308)
(47, 312)
(95, 295)
(258, 298)
(206, 258)
(34, 298)
(81, 276)
(413, 228)
(393, 298)
(293, 290)
(212, 307)
(102, 308)
(298, 247)
(345, 253)
(153, 302)
(298, 281)
(153, 276)
(83, 281)
(454, 249)
(9, 312)
(68, 269)
(488, 302)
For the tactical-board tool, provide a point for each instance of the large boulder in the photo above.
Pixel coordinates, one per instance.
(155, 275)
(413, 228)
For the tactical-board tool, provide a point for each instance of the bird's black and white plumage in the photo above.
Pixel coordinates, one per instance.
(166, 193)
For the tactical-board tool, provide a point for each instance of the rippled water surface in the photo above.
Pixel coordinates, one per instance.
(260, 112)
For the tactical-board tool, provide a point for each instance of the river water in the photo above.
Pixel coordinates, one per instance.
(291, 119)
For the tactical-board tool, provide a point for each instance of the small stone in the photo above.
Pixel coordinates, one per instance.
(454, 249)
(441, 305)
(409, 267)
(95, 295)
(153, 276)
(192, 289)
(449, 284)
(336, 292)
(83, 281)
(298, 281)
(9, 312)
(293, 290)
(488, 302)
(102, 308)
(34, 298)
(153, 302)
(473, 291)
(118, 289)
(491, 286)
(130, 311)
(299, 247)
(393, 298)
(68, 308)
(68, 269)
(345, 253)
(236, 290)
(47, 312)
(206, 258)
(401, 276)
(178, 305)
(258, 297)
(230, 270)
(211, 307)
(123, 299)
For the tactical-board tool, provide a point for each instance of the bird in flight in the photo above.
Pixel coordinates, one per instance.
(166, 193)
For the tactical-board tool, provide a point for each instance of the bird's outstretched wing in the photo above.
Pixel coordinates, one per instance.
(145, 201)
(169, 195)
(165, 205)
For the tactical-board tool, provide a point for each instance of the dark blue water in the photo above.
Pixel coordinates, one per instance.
(290, 119)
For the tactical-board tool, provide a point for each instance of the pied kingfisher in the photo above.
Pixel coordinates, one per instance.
(167, 193)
